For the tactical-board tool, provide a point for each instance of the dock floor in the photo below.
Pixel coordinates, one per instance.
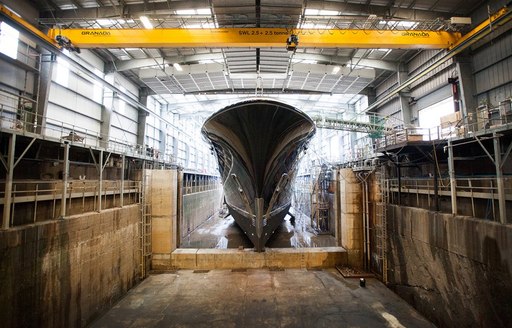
(260, 298)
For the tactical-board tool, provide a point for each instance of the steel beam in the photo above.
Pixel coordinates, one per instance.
(255, 38)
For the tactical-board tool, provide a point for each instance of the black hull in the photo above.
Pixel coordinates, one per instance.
(257, 144)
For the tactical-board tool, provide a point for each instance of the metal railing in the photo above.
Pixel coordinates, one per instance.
(41, 199)
(483, 188)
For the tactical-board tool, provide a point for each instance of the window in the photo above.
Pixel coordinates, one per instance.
(9, 40)
(431, 116)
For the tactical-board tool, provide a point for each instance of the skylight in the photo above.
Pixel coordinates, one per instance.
(193, 12)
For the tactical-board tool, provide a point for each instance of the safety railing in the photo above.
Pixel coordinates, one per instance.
(483, 188)
(41, 200)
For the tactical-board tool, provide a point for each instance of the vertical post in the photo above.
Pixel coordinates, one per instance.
(65, 177)
(399, 175)
(8, 182)
(436, 190)
(499, 179)
(122, 180)
(451, 173)
(100, 182)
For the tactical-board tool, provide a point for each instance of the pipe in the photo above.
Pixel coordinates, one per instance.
(8, 182)
(100, 182)
(65, 178)
(451, 173)
(123, 160)
(502, 202)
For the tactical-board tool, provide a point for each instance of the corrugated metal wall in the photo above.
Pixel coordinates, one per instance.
(492, 69)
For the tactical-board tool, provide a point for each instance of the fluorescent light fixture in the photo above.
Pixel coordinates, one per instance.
(383, 49)
(460, 20)
(335, 69)
(145, 21)
(177, 67)
(206, 61)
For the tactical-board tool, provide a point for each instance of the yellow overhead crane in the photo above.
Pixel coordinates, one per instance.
(255, 37)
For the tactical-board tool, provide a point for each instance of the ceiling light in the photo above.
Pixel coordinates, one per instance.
(145, 21)
(335, 69)
(177, 67)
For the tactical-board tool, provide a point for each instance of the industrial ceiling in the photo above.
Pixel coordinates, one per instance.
(204, 73)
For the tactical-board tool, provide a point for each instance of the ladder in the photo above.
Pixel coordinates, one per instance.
(145, 220)
(381, 221)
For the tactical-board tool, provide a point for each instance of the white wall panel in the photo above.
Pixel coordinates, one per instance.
(74, 102)
(123, 122)
(124, 136)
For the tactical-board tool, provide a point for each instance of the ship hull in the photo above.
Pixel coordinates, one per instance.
(257, 144)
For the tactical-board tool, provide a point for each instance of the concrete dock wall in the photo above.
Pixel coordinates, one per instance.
(199, 207)
(163, 197)
(351, 217)
(455, 270)
(65, 273)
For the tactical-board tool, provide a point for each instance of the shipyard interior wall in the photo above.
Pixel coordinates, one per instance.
(455, 270)
(64, 273)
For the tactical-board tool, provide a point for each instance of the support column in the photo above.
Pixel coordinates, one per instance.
(451, 173)
(42, 87)
(65, 178)
(402, 76)
(163, 143)
(8, 182)
(467, 90)
(100, 182)
(142, 118)
(106, 118)
(499, 179)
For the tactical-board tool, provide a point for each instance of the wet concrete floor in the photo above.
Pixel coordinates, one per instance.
(260, 298)
(220, 232)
